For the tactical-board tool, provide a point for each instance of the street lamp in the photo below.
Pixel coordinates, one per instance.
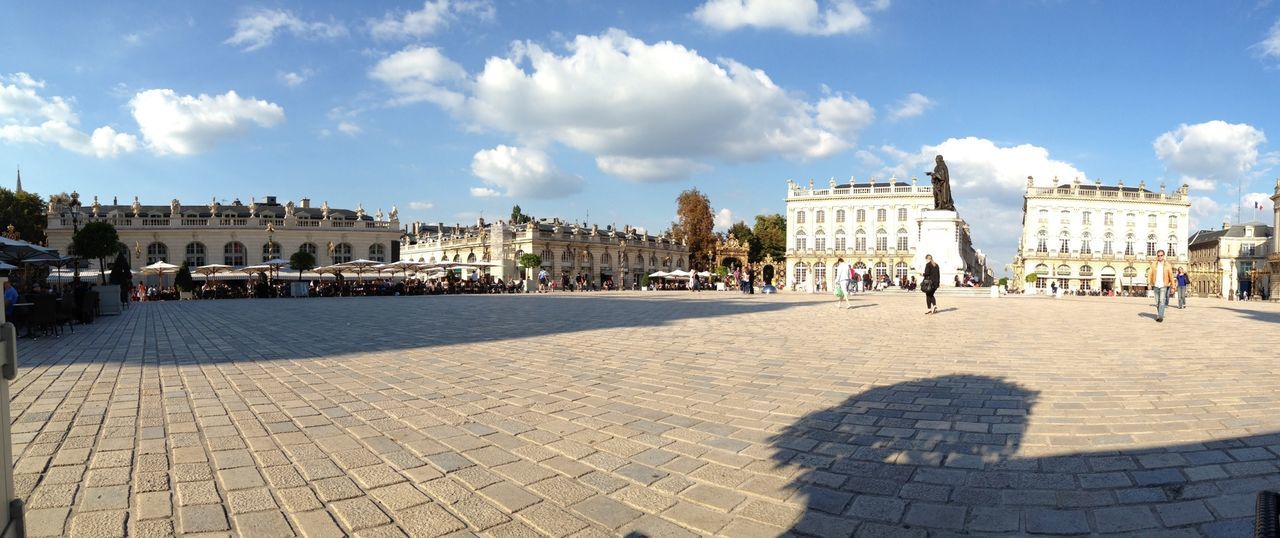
(622, 250)
(75, 230)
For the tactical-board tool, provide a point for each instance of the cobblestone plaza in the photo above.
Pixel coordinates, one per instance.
(671, 414)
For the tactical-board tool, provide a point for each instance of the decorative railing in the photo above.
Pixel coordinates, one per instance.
(64, 220)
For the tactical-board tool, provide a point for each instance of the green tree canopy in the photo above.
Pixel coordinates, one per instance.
(769, 237)
(530, 260)
(302, 261)
(25, 212)
(183, 280)
(518, 216)
(96, 240)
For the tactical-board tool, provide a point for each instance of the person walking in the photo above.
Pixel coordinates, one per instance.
(1183, 281)
(929, 284)
(1160, 276)
(842, 283)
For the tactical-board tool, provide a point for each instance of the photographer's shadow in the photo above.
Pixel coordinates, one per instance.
(939, 455)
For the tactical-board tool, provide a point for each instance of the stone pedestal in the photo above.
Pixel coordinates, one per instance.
(938, 238)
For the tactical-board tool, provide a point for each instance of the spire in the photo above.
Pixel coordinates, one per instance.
(18, 189)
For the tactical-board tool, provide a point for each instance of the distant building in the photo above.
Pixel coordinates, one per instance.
(1227, 262)
(873, 226)
(235, 234)
(1273, 280)
(566, 249)
(1090, 236)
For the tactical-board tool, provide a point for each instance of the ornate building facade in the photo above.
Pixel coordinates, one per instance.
(1098, 237)
(1229, 261)
(567, 250)
(236, 234)
(873, 226)
(1273, 280)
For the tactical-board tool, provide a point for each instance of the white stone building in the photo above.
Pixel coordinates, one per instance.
(1090, 236)
(235, 234)
(1230, 261)
(874, 226)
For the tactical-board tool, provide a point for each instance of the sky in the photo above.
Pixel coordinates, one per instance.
(605, 111)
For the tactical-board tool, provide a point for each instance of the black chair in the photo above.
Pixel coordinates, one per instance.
(67, 312)
(89, 307)
(44, 314)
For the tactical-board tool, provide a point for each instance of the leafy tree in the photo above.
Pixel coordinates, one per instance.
(96, 240)
(183, 280)
(530, 260)
(644, 281)
(1004, 281)
(518, 216)
(695, 226)
(742, 232)
(768, 237)
(1031, 278)
(302, 261)
(26, 212)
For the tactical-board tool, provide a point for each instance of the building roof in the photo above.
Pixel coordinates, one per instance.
(869, 185)
(234, 209)
(1236, 230)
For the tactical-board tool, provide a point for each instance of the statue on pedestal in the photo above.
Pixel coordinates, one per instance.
(941, 186)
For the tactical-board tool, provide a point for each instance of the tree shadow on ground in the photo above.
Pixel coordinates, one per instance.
(1260, 315)
(266, 329)
(939, 455)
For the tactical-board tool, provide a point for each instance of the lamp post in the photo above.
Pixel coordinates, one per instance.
(75, 230)
(624, 262)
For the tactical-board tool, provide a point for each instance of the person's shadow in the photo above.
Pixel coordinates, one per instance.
(939, 455)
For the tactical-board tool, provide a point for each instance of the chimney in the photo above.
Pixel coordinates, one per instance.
(1226, 224)
(305, 203)
(271, 200)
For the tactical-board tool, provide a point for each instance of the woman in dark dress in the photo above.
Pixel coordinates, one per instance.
(929, 284)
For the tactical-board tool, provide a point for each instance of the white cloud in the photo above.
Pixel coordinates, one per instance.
(484, 192)
(258, 28)
(421, 206)
(421, 74)
(522, 172)
(724, 219)
(185, 124)
(433, 16)
(1263, 208)
(293, 79)
(1204, 212)
(28, 117)
(349, 129)
(1208, 152)
(913, 105)
(796, 16)
(868, 158)
(644, 111)
(1270, 46)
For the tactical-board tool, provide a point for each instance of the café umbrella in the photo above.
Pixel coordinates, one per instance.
(211, 269)
(159, 268)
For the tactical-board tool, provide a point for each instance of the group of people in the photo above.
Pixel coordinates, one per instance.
(848, 281)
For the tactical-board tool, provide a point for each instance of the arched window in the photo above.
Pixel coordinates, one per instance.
(640, 261)
(1085, 243)
(680, 263)
(1130, 272)
(801, 241)
(882, 271)
(862, 215)
(1128, 245)
(902, 238)
(1173, 242)
(1064, 270)
(653, 260)
(566, 257)
(457, 258)
(270, 251)
(1107, 240)
(157, 252)
(1042, 270)
(801, 271)
(820, 217)
(900, 271)
(882, 239)
(233, 254)
(1064, 217)
(841, 243)
(860, 240)
(377, 252)
(1044, 216)
(1151, 243)
(859, 265)
(309, 248)
(342, 253)
(1086, 270)
(820, 240)
(799, 217)
(471, 258)
(1064, 242)
(1042, 241)
(820, 273)
(195, 254)
(839, 216)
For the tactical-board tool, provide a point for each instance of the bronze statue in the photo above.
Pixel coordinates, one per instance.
(942, 186)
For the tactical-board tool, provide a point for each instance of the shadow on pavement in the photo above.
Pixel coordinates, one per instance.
(940, 455)
(1270, 317)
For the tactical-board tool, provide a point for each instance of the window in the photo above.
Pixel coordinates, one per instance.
(1044, 216)
(653, 260)
(342, 253)
(309, 248)
(605, 260)
(860, 240)
(1042, 242)
(902, 239)
(157, 252)
(1130, 272)
(802, 272)
(1064, 243)
(902, 214)
(1086, 270)
(820, 273)
(882, 270)
(1065, 217)
(1173, 222)
(1130, 219)
(1042, 270)
(1085, 248)
(882, 215)
(233, 254)
(820, 217)
(1151, 221)
(862, 215)
(377, 252)
(1151, 244)
(1128, 245)
(839, 216)
(1248, 250)
(1171, 252)
(841, 244)
(471, 258)
(882, 240)
(820, 240)
(801, 242)
(1064, 270)
(195, 254)
(270, 251)
(565, 257)
(1084, 285)
(1109, 219)
(1106, 245)
(900, 271)
(1085, 218)
(799, 217)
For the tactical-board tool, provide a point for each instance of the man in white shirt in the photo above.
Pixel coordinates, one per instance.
(1160, 276)
(842, 283)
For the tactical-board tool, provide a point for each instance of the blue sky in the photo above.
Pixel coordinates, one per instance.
(453, 108)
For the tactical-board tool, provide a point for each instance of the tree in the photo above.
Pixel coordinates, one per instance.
(530, 260)
(183, 280)
(96, 240)
(1031, 278)
(695, 226)
(518, 216)
(742, 232)
(769, 237)
(302, 261)
(121, 273)
(25, 211)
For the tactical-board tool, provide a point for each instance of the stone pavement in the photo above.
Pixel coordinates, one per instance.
(658, 414)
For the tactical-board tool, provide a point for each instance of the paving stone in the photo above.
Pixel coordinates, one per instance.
(105, 498)
(1045, 521)
(428, 520)
(1182, 513)
(935, 516)
(264, 524)
(205, 518)
(509, 496)
(98, 524)
(316, 523)
(151, 505)
(47, 521)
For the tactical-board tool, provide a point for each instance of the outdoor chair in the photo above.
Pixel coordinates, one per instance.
(67, 312)
(89, 307)
(44, 314)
